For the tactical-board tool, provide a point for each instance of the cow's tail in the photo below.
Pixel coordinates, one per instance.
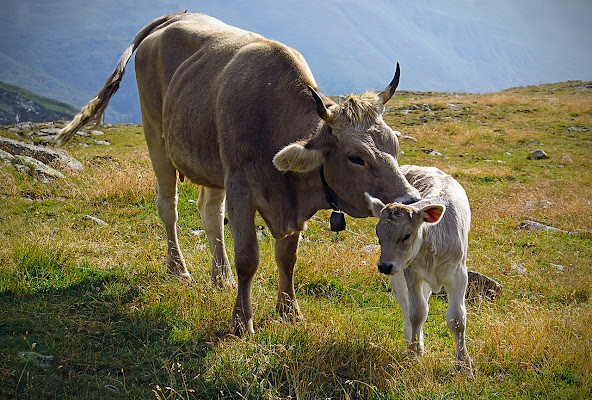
(95, 109)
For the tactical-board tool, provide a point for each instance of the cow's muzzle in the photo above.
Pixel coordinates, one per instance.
(414, 197)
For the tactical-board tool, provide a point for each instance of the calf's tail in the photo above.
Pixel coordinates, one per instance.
(95, 109)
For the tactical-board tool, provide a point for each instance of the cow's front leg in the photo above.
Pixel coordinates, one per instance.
(286, 250)
(241, 218)
(210, 204)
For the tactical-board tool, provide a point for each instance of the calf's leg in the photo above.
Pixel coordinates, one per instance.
(456, 317)
(210, 205)
(418, 311)
(286, 250)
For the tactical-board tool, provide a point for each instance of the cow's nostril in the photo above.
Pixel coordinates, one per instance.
(385, 268)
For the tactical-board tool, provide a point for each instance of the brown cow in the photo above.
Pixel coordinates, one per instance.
(239, 114)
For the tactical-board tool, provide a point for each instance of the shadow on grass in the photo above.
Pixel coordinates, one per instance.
(96, 326)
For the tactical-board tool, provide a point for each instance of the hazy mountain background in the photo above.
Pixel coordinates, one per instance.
(65, 49)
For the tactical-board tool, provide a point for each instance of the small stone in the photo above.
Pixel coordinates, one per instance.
(102, 143)
(97, 133)
(561, 268)
(96, 220)
(507, 153)
(518, 268)
(196, 232)
(566, 159)
(539, 154)
(370, 249)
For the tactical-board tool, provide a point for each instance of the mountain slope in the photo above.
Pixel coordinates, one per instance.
(18, 104)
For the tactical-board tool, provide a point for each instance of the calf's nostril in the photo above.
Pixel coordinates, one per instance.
(385, 268)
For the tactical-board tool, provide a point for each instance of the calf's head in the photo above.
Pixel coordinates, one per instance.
(357, 149)
(399, 231)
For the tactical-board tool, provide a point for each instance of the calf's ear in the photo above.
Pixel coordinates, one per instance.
(374, 204)
(431, 214)
(297, 157)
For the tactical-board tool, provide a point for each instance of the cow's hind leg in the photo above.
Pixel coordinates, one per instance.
(210, 204)
(241, 218)
(166, 198)
(456, 317)
(285, 255)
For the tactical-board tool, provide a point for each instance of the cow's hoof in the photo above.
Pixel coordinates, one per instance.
(224, 282)
(289, 312)
(240, 328)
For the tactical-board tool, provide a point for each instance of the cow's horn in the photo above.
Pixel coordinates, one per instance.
(388, 92)
(322, 110)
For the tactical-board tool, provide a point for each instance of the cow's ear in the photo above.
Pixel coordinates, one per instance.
(431, 214)
(374, 204)
(298, 157)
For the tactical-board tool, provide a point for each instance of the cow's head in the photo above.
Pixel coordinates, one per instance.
(357, 149)
(399, 231)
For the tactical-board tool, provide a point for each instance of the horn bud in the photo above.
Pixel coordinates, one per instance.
(388, 92)
(322, 110)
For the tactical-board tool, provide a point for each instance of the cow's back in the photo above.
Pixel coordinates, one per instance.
(160, 55)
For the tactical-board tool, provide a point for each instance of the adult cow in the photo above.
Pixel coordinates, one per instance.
(240, 115)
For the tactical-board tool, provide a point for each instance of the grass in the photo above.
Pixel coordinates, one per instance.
(97, 298)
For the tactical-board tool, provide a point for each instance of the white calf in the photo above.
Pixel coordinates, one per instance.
(424, 247)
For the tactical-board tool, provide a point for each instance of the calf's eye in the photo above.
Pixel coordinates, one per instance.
(356, 160)
(407, 236)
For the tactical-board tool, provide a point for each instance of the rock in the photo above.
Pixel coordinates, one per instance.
(539, 154)
(96, 220)
(560, 268)
(431, 152)
(370, 249)
(49, 131)
(507, 153)
(5, 156)
(566, 159)
(36, 168)
(538, 203)
(518, 268)
(41, 153)
(482, 286)
(42, 361)
(97, 133)
(196, 232)
(102, 143)
(535, 226)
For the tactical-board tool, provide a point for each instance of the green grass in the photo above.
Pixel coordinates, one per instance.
(97, 298)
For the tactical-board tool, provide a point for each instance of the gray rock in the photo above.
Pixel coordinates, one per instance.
(535, 226)
(370, 249)
(566, 159)
(96, 220)
(102, 143)
(49, 131)
(5, 156)
(482, 286)
(97, 133)
(41, 153)
(539, 154)
(36, 168)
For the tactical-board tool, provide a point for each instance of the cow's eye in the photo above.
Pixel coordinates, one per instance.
(407, 236)
(356, 160)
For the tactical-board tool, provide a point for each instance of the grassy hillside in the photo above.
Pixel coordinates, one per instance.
(97, 298)
(28, 106)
